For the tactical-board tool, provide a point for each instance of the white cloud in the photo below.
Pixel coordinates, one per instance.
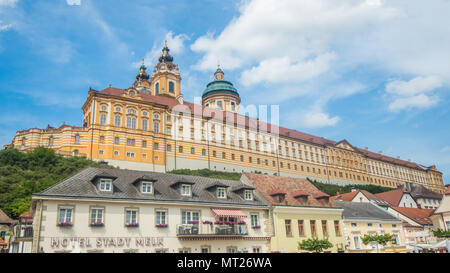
(318, 120)
(268, 29)
(421, 101)
(415, 86)
(10, 3)
(5, 27)
(73, 2)
(285, 70)
(446, 149)
(414, 93)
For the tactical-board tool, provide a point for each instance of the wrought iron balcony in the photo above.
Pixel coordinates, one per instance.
(194, 230)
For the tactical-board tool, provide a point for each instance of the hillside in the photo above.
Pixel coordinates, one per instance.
(22, 174)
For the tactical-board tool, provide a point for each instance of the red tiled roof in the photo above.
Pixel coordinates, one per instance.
(25, 215)
(241, 120)
(447, 192)
(320, 195)
(4, 218)
(276, 192)
(267, 184)
(421, 216)
(298, 193)
(345, 196)
(392, 197)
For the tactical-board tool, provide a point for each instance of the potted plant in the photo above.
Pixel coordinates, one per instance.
(132, 225)
(193, 222)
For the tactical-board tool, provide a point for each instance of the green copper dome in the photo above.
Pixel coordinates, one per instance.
(217, 87)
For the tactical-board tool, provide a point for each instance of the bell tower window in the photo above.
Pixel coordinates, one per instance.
(157, 88)
(171, 87)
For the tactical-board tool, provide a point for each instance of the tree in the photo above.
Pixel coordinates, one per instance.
(440, 233)
(379, 239)
(315, 245)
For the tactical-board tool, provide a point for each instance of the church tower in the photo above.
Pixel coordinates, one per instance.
(142, 84)
(221, 94)
(166, 77)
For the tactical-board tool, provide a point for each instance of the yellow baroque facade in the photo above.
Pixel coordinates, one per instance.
(149, 126)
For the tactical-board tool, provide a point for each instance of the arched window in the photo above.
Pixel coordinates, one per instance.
(131, 123)
(171, 87)
(233, 106)
(157, 88)
(77, 139)
(117, 120)
(103, 119)
(145, 124)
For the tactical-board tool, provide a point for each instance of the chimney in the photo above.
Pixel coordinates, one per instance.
(103, 164)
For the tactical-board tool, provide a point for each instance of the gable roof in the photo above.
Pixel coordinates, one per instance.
(269, 185)
(80, 186)
(393, 197)
(351, 195)
(365, 211)
(419, 191)
(4, 219)
(421, 216)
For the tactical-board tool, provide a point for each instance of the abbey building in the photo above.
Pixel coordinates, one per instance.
(149, 127)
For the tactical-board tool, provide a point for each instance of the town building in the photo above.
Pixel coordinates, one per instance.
(299, 211)
(149, 126)
(115, 210)
(398, 198)
(5, 231)
(425, 198)
(417, 226)
(21, 240)
(361, 196)
(365, 218)
(441, 216)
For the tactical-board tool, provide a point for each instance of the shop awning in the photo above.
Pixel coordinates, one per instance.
(229, 213)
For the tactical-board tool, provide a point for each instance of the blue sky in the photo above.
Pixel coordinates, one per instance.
(374, 72)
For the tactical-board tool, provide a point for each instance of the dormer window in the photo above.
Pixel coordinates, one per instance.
(221, 193)
(105, 184)
(280, 198)
(248, 195)
(186, 190)
(147, 187)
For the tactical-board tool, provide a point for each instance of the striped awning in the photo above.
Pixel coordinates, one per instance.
(229, 213)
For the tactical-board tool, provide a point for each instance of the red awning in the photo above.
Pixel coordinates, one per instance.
(229, 213)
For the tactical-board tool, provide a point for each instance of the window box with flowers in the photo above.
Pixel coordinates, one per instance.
(64, 224)
(132, 225)
(193, 222)
(241, 222)
(206, 222)
(97, 224)
(229, 222)
(219, 222)
(161, 225)
(256, 227)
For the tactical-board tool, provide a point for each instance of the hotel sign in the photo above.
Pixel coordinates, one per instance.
(103, 242)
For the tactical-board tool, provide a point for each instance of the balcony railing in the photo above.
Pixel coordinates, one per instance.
(212, 230)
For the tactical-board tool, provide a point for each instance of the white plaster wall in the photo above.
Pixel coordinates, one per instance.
(114, 221)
